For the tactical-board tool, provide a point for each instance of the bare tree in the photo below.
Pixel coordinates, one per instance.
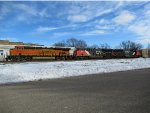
(138, 46)
(105, 46)
(81, 44)
(62, 44)
(94, 46)
(129, 45)
(73, 42)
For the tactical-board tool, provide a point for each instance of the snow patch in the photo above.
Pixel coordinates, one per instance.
(31, 71)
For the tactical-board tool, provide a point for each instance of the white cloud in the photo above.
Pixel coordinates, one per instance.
(78, 18)
(9, 38)
(21, 12)
(85, 11)
(60, 34)
(147, 13)
(124, 18)
(102, 12)
(73, 11)
(103, 27)
(95, 32)
(45, 29)
(22, 17)
(102, 21)
(103, 24)
(3, 11)
(33, 11)
(27, 9)
(142, 29)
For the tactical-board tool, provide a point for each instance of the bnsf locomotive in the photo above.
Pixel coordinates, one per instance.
(28, 53)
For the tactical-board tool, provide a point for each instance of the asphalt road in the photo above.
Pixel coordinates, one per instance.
(119, 92)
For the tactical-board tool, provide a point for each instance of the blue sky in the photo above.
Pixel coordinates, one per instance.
(95, 22)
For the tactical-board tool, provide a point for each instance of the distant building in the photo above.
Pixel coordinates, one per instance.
(6, 45)
(7, 42)
(146, 53)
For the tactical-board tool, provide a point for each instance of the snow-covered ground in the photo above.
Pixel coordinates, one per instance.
(31, 71)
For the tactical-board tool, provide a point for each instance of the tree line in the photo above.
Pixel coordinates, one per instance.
(73, 42)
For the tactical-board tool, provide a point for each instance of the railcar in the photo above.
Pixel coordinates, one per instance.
(81, 54)
(98, 53)
(146, 53)
(118, 53)
(138, 54)
(95, 53)
(107, 53)
(27, 53)
(133, 53)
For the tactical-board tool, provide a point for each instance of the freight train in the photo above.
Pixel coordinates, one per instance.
(30, 53)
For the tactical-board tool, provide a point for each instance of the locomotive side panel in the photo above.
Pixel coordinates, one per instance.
(95, 53)
(81, 54)
(107, 53)
(118, 53)
(138, 54)
(29, 53)
(98, 53)
(15, 52)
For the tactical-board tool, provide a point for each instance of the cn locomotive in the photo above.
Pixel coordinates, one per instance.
(30, 53)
